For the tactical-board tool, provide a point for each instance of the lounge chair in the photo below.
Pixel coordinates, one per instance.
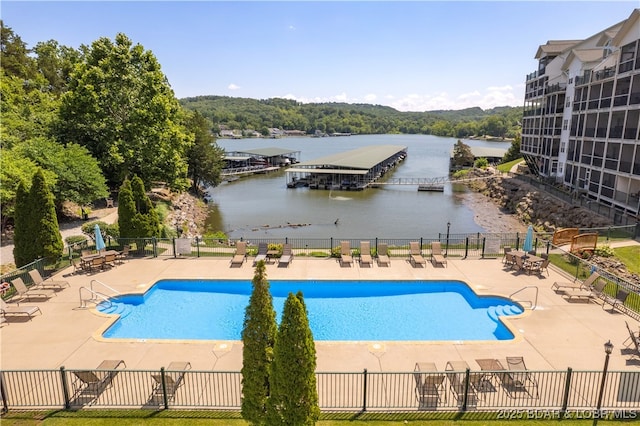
(593, 293)
(616, 302)
(287, 255)
(365, 253)
(173, 377)
(436, 254)
(634, 338)
(415, 254)
(519, 378)
(457, 375)
(25, 293)
(88, 385)
(240, 255)
(39, 282)
(263, 248)
(429, 386)
(575, 285)
(383, 255)
(345, 253)
(17, 311)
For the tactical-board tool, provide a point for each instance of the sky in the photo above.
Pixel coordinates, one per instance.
(412, 56)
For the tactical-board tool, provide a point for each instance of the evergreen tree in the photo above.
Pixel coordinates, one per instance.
(294, 398)
(126, 210)
(23, 237)
(44, 226)
(513, 153)
(146, 219)
(258, 337)
(462, 155)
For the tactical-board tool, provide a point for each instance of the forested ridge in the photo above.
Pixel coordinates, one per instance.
(259, 115)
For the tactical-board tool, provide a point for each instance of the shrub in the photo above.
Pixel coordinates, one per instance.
(604, 251)
(75, 239)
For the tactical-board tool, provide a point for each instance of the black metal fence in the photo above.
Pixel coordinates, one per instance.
(560, 391)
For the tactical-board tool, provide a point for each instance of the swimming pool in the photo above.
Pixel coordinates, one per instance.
(338, 310)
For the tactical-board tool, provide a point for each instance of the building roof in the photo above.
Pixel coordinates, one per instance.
(267, 152)
(485, 152)
(362, 158)
(627, 26)
(555, 47)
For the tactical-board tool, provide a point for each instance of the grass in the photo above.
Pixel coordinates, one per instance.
(216, 418)
(504, 168)
(630, 256)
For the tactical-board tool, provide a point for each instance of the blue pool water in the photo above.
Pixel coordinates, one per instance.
(338, 310)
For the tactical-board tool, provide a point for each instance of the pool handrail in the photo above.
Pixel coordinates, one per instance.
(532, 305)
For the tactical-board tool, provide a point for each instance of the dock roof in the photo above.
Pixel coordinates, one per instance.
(363, 158)
(267, 152)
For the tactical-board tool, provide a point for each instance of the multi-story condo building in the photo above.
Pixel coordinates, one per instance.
(582, 115)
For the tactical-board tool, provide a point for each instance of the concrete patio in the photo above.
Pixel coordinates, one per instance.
(556, 335)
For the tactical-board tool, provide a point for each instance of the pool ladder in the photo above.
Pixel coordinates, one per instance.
(532, 303)
(88, 294)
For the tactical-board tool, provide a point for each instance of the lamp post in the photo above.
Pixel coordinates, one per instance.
(446, 248)
(608, 348)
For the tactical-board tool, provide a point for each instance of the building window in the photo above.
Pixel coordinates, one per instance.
(565, 124)
(571, 80)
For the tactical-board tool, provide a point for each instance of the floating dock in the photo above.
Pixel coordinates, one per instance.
(350, 170)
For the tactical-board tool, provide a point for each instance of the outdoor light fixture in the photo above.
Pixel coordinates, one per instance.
(608, 348)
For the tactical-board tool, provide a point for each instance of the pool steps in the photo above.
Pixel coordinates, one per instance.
(503, 310)
(121, 309)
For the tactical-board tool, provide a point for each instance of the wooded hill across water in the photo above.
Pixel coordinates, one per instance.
(259, 115)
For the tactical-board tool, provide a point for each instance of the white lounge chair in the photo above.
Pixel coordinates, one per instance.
(25, 293)
(436, 254)
(345, 253)
(383, 254)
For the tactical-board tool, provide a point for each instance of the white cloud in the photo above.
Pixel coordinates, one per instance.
(233, 87)
(490, 97)
(291, 28)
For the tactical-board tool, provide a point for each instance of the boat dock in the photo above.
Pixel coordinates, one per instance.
(351, 170)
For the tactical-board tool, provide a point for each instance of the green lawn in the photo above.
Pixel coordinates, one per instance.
(504, 168)
(630, 256)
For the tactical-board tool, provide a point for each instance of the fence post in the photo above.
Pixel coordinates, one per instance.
(484, 240)
(165, 400)
(3, 393)
(517, 240)
(364, 392)
(467, 378)
(173, 240)
(565, 397)
(198, 246)
(466, 247)
(154, 244)
(65, 388)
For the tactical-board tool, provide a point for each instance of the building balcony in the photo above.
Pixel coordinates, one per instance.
(604, 73)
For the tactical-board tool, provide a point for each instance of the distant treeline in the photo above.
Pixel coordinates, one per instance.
(259, 115)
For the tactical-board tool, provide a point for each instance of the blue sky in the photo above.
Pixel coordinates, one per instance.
(413, 56)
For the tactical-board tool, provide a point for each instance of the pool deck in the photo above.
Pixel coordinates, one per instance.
(556, 335)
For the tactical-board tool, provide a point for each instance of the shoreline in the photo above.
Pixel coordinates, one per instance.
(488, 215)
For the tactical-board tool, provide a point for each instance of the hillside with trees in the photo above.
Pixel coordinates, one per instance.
(259, 115)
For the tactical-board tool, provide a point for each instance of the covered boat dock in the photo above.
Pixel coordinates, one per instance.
(350, 170)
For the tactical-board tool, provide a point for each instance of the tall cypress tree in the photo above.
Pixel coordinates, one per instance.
(258, 337)
(48, 239)
(23, 237)
(126, 210)
(294, 398)
(146, 219)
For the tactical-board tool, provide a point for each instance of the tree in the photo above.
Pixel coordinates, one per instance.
(136, 216)
(204, 156)
(23, 233)
(14, 170)
(513, 153)
(121, 107)
(258, 338)
(36, 223)
(462, 155)
(14, 55)
(294, 398)
(55, 63)
(78, 177)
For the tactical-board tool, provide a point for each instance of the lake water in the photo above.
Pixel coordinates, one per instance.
(261, 206)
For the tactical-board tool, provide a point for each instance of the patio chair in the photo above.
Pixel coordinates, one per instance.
(263, 248)
(595, 292)
(17, 311)
(173, 378)
(429, 386)
(25, 293)
(97, 263)
(88, 385)
(39, 282)
(415, 254)
(110, 259)
(365, 253)
(383, 255)
(456, 372)
(519, 377)
(240, 255)
(505, 259)
(124, 254)
(616, 302)
(287, 256)
(345, 253)
(540, 267)
(575, 285)
(436, 254)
